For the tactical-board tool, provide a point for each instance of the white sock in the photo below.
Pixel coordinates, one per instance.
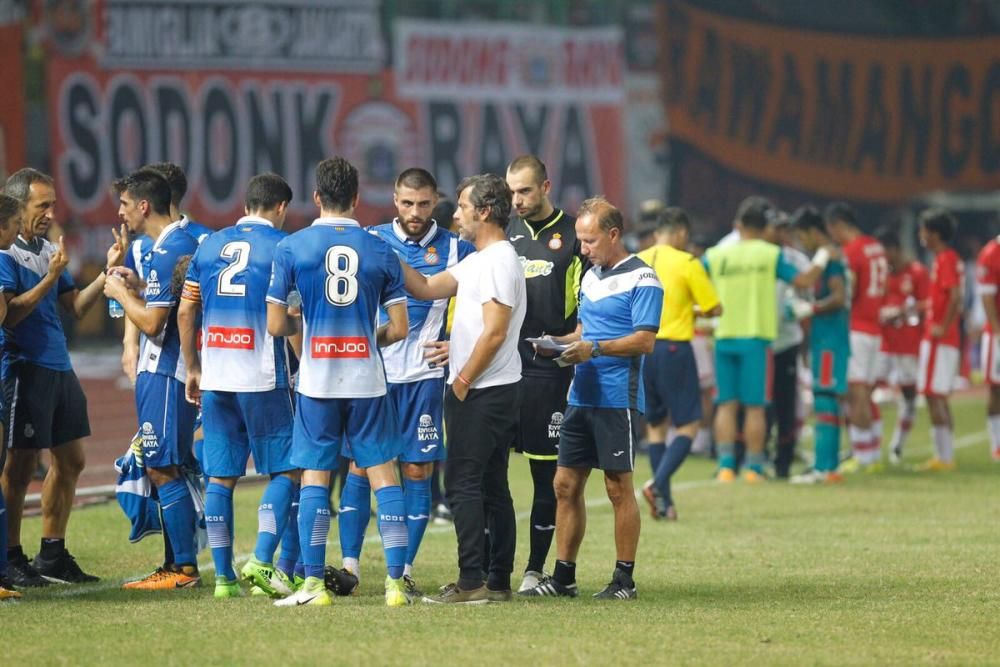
(703, 441)
(944, 445)
(994, 424)
(875, 454)
(408, 570)
(859, 441)
(352, 566)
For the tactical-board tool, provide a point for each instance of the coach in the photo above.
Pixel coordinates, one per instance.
(620, 304)
(480, 405)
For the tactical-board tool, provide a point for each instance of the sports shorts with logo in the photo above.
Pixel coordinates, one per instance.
(602, 438)
(939, 367)
(238, 424)
(364, 430)
(419, 406)
(672, 388)
(865, 350)
(542, 414)
(744, 371)
(166, 420)
(43, 408)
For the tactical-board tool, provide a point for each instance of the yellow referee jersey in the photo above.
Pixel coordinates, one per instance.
(685, 283)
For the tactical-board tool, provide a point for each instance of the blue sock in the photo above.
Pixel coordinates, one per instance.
(671, 461)
(355, 512)
(656, 450)
(272, 515)
(219, 521)
(3, 535)
(392, 528)
(756, 462)
(290, 539)
(727, 455)
(417, 500)
(178, 520)
(314, 527)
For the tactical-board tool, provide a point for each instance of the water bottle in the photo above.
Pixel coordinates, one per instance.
(115, 310)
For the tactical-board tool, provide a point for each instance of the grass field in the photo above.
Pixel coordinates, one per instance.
(895, 568)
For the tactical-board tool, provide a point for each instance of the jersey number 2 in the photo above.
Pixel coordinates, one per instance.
(341, 275)
(238, 255)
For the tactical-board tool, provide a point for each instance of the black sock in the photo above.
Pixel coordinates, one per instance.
(543, 513)
(52, 547)
(565, 572)
(15, 553)
(626, 566)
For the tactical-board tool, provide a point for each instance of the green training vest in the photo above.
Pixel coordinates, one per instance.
(745, 276)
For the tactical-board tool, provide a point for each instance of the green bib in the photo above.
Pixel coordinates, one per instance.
(745, 275)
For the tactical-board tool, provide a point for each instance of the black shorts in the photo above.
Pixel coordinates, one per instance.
(670, 375)
(44, 408)
(602, 438)
(542, 411)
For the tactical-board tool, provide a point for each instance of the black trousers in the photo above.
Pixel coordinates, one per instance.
(783, 410)
(481, 430)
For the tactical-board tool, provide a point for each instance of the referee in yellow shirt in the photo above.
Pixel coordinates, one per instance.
(673, 392)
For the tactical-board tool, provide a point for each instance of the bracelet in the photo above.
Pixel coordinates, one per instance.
(467, 383)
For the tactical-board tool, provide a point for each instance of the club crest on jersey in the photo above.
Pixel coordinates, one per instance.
(431, 256)
(232, 338)
(535, 267)
(426, 430)
(340, 347)
(555, 242)
(555, 425)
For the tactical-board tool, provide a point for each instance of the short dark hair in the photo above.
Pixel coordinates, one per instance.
(530, 162)
(265, 191)
(889, 238)
(756, 212)
(443, 212)
(840, 211)
(9, 207)
(416, 179)
(175, 177)
(673, 218)
(336, 183)
(941, 222)
(807, 218)
(149, 185)
(608, 216)
(19, 183)
(488, 191)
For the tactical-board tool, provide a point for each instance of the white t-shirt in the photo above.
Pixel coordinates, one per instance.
(494, 273)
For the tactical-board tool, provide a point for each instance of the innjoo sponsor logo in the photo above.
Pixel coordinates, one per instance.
(340, 347)
(233, 338)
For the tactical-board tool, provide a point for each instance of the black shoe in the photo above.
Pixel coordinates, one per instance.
(22, 575)
(339, 582)
(411, 587)
(62, 569)
(549, 587)
(621, 588)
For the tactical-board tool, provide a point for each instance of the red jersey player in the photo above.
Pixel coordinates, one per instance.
(869, 271)
(902, 330)
(940, 349)
(988, 279)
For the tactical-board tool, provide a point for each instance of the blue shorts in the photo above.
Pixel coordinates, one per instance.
(166, 420)
(672, 386)
(244, 423)
(419, 406)
(362, 429)
(829, 367)
(744, 371)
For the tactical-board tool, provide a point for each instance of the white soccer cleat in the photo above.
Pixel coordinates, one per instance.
(530, 580)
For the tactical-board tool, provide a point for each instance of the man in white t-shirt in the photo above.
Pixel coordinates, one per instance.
(482, 394)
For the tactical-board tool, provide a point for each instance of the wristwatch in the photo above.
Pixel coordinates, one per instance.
(595, 350)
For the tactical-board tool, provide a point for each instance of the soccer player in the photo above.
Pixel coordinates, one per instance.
(241, 382)
(545, 240)
(940, 350)
(745, 274)
(414, 369)
(343, 275)
(166, 419)
(673, 392)
(620, 305)
(48, 409)
(988, 281)
(869, 274)
(829, 347)
(906, 293)
(484, 373)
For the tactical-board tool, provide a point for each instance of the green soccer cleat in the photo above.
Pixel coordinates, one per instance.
(395, 593)
(227, 588)
(313, 593)
(262, 575)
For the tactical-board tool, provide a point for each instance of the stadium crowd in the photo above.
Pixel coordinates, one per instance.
(386, 355)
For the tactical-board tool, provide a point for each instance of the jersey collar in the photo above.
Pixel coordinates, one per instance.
(397, 229)
(252, 219)
(340, 222)
(169, 229)
(35, 245)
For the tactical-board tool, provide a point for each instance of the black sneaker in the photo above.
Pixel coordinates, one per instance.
(549, 587)
(621, 588)
(340, 582)
(62, 569)
(411, 587)
(22, 575)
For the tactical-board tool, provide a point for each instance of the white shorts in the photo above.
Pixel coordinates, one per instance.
(990, 351)
(704, 358)
(939, 366)
(900, 370)
(863, 366)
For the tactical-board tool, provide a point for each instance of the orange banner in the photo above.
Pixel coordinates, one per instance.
(875, 118)
(12, 102)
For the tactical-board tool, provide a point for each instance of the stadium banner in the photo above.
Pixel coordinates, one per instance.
(876, 118)
(225, 89)
(485, 94)
(12, 142)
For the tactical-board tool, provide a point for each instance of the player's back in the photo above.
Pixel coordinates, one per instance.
(869, 269)
(343, 274)
(988, 274)
(232, 270)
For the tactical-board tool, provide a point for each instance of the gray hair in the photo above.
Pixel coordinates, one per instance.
(488, 191)
(19, 183)
(608, 217)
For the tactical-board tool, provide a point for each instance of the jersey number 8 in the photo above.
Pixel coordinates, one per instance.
(341, 275)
